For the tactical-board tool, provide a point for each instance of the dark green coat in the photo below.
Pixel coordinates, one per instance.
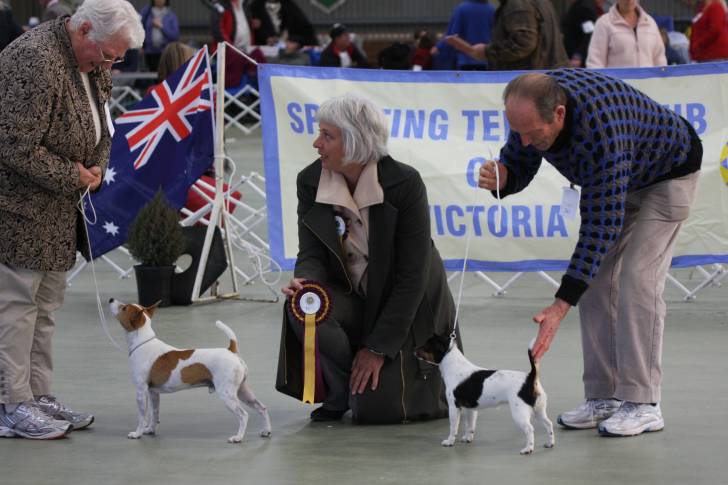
(408, 299)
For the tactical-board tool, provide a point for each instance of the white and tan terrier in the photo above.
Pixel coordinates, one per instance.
(160, 368)
(469, 387)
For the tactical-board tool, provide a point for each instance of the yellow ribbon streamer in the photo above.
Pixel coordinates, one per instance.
(309, 358)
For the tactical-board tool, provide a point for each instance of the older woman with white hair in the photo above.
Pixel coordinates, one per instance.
(364, 233)
(54, 145)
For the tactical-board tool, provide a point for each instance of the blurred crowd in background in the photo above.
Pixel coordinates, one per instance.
(481, 35)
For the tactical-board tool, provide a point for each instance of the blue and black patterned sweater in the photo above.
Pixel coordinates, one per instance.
(615, 140)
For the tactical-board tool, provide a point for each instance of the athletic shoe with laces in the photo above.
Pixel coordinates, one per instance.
(28, 421)
(589, 413)
(52, 407)
(632, 419)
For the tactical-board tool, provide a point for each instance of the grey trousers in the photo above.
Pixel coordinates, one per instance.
(337, 337)
(28, 299)
(623, 312)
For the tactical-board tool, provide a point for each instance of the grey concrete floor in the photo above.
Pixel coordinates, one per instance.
(191, 447)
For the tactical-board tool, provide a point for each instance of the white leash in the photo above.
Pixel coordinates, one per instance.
(470, 233)
(99, 305)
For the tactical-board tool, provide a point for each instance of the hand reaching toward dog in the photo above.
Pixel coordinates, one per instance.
(549, 320)
(366, 365)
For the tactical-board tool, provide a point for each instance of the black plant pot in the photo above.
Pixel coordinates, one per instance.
(154, 283)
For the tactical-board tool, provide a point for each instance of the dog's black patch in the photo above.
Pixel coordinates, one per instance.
(468, 392)
(528, 389)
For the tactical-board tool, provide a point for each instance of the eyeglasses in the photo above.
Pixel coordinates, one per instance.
(109, 59)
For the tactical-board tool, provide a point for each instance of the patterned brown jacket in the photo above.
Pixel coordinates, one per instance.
(46, 126)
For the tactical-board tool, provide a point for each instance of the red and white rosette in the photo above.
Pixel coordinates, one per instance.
(311, 305)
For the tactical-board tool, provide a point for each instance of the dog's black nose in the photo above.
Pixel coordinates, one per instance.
(111, 300)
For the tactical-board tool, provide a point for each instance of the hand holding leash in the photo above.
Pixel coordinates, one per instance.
(89, 177)
(488, 178)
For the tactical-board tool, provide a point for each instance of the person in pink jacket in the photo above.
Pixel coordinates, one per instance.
(626, 36)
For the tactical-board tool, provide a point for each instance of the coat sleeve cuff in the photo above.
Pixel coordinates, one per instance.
(381, 347)
(571, 289)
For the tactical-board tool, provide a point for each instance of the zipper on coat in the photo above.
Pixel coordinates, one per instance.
(402, 397)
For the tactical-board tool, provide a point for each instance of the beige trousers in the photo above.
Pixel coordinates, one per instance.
(623, 313)
(28, 299)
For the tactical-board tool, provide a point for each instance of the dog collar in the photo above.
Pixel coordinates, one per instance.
(147, 340)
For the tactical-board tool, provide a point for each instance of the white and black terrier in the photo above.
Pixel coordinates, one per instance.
(469, 387)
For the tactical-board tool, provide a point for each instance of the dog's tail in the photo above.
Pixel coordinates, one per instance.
(233, 347)
(533, 375)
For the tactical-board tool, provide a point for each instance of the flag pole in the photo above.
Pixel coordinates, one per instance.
(218, 206)
(220, 156)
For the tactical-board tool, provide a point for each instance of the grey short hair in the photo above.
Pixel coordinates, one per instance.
(109, 17)
(540, 88)
(364, 129)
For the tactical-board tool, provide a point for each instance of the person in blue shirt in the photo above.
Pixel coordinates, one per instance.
(472, 20)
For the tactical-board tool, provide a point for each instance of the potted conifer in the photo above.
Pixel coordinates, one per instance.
(156, 240)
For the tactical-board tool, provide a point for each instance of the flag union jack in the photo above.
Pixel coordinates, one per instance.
(167, 141)
(171, 107)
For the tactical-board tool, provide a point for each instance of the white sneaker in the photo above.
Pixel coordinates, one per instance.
(57, 410)
(632, 419)
(589, 414)
(27, 421)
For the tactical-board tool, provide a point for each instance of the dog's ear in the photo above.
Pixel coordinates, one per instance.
(136, 317)
(151, 309)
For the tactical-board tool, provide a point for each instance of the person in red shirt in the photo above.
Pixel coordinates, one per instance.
(709, 37)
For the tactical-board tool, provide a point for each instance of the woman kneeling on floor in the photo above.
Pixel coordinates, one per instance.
(364, 233)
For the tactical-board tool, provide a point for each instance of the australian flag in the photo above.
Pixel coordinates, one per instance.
(166, 140)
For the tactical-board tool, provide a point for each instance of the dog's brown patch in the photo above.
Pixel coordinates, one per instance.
(131, 317)
(196, 374)
(233, 347)
(165, 364)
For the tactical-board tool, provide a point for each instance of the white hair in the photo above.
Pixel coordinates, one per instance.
(364, 130)
(109, 17)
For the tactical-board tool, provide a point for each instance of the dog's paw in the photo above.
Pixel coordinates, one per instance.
(527, 450)
(467, 438)
(134, 435)
(448, 442)
(264, 433)
(150, 431)
(549, 445)
(235, 439)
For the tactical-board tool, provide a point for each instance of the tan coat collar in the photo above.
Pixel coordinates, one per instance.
(333, 190)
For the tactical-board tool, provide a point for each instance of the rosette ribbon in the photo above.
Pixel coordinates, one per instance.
(311, 305)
